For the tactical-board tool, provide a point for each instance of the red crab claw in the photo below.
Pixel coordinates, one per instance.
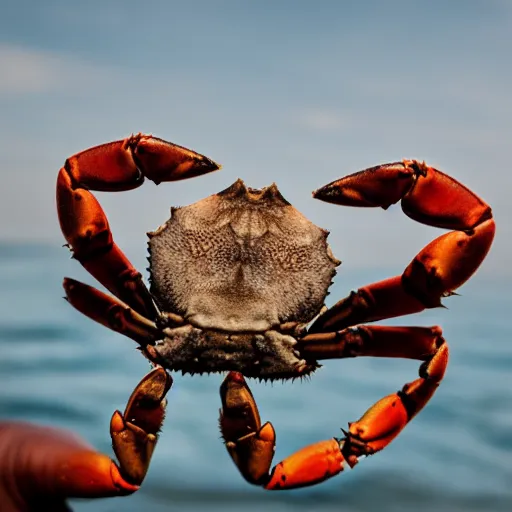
(135, 433)
(427, 196)
(117, 166)
(252, 446)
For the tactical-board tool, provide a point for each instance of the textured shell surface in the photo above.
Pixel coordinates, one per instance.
(242, 260)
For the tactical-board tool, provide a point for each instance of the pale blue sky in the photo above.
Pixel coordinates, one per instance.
(295, 92)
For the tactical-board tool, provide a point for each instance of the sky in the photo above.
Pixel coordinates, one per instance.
(294, 92)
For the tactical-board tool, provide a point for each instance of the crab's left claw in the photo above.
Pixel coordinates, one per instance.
(134, 433)
(117, 166)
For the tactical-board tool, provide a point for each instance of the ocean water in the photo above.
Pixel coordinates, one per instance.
(61, 369)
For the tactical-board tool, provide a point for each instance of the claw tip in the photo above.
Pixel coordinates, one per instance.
(117, 422)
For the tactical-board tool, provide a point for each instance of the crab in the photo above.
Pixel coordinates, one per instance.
(237, 285)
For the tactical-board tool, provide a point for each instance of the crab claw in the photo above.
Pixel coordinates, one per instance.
(114, 167)
(250, 444)
(134, 433)
(427, 195)
(123, 164)
(160, 160)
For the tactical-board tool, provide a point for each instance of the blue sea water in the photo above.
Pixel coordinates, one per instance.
(61, 369)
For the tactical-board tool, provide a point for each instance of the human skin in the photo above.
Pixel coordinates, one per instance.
(41, 467)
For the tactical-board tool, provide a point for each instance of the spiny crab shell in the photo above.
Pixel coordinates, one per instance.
(236, 266)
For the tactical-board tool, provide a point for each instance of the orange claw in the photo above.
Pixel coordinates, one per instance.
(428, 195)
(382, 186)
(42, 467)
(252, 446)
(117, 166)
(135, 433)
(123, 164)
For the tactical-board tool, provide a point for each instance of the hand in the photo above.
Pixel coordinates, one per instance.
(40, 467)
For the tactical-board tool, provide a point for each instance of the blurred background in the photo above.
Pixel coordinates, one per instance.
(295, 92)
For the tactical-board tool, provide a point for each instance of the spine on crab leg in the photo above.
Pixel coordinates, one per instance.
(116, 166)
(430, 197)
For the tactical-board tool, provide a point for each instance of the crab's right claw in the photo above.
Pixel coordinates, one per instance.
(250, 444)
(134, 433)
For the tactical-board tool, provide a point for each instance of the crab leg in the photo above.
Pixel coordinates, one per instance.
(116, 315)
(384, 421)
(116, 166)
(110, 312)
(373, 340)
(430, 197)
(252, 445)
